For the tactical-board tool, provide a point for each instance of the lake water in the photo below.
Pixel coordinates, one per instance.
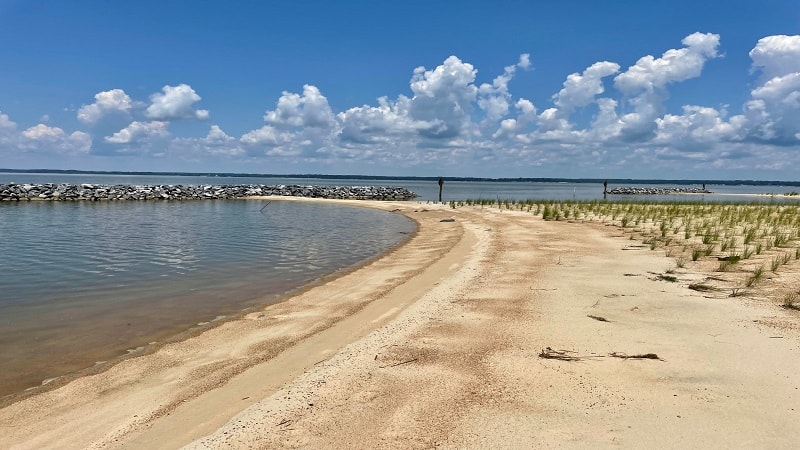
(82, 282)
(85, 281)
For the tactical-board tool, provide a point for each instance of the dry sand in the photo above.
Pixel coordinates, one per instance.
(437, 344)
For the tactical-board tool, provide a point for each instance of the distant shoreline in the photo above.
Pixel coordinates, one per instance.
(408, 177)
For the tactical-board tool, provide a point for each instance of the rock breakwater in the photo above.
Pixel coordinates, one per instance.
(98, 192)
(656, 191)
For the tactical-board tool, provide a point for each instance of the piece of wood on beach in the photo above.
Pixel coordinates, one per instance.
(598, 318)
(561, 355)
(702, 287)
(634, 247)
(639, 356)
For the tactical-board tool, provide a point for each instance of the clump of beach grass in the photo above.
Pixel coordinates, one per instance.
(774, 264)
(737, 292)
(724, 265)
(758, 274)
(791, 301)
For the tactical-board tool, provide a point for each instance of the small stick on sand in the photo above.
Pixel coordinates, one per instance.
(598, 318)
(561, 355)
(641, 356)
(400, 363)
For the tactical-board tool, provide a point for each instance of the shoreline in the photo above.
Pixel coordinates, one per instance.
(438, 343)
(128, 369)
(56, 381)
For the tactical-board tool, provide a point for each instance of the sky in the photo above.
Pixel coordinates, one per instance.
(574, 89)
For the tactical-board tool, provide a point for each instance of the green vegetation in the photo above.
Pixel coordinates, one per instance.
(740, 239)
(757, 274)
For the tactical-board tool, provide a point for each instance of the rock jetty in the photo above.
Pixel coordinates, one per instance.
(98, 192)
(656, 191)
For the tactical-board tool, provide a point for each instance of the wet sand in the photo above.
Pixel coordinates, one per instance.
(439, 344)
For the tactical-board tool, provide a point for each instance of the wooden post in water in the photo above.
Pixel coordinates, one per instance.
(441, 183)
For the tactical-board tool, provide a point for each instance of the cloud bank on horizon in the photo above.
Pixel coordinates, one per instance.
(606, 118)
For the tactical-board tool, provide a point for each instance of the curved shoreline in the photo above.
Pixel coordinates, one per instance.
(94, 400)
(439, 344)
(149, 343)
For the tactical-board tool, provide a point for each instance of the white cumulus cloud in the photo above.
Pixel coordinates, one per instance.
(524, 61)
(216, 143)
(443, 98)
(697, 126)
(175, 102)
(644, 84)
(266, 135)
(495, 98)
(580, 89)
(674, 65)
(43, 132)
(776, 55)
(106, 102)
(310, 109)
(773, 113)
(439, 118)
(301, 124)
(216, 136)
(8, 134)
(385, 123)
(43, 138)
(6, 123)
(139, 131)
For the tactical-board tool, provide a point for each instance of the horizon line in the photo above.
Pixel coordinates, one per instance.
(403, 177)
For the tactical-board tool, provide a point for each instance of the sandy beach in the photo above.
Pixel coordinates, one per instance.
(489, 328)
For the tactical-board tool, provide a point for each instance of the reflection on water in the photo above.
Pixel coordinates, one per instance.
(84, 281)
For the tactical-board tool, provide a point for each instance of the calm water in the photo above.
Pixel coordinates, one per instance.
(84, 281)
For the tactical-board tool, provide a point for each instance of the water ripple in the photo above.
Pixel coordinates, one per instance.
(68, 266)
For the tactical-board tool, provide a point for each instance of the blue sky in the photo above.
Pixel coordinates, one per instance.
(679, 89)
